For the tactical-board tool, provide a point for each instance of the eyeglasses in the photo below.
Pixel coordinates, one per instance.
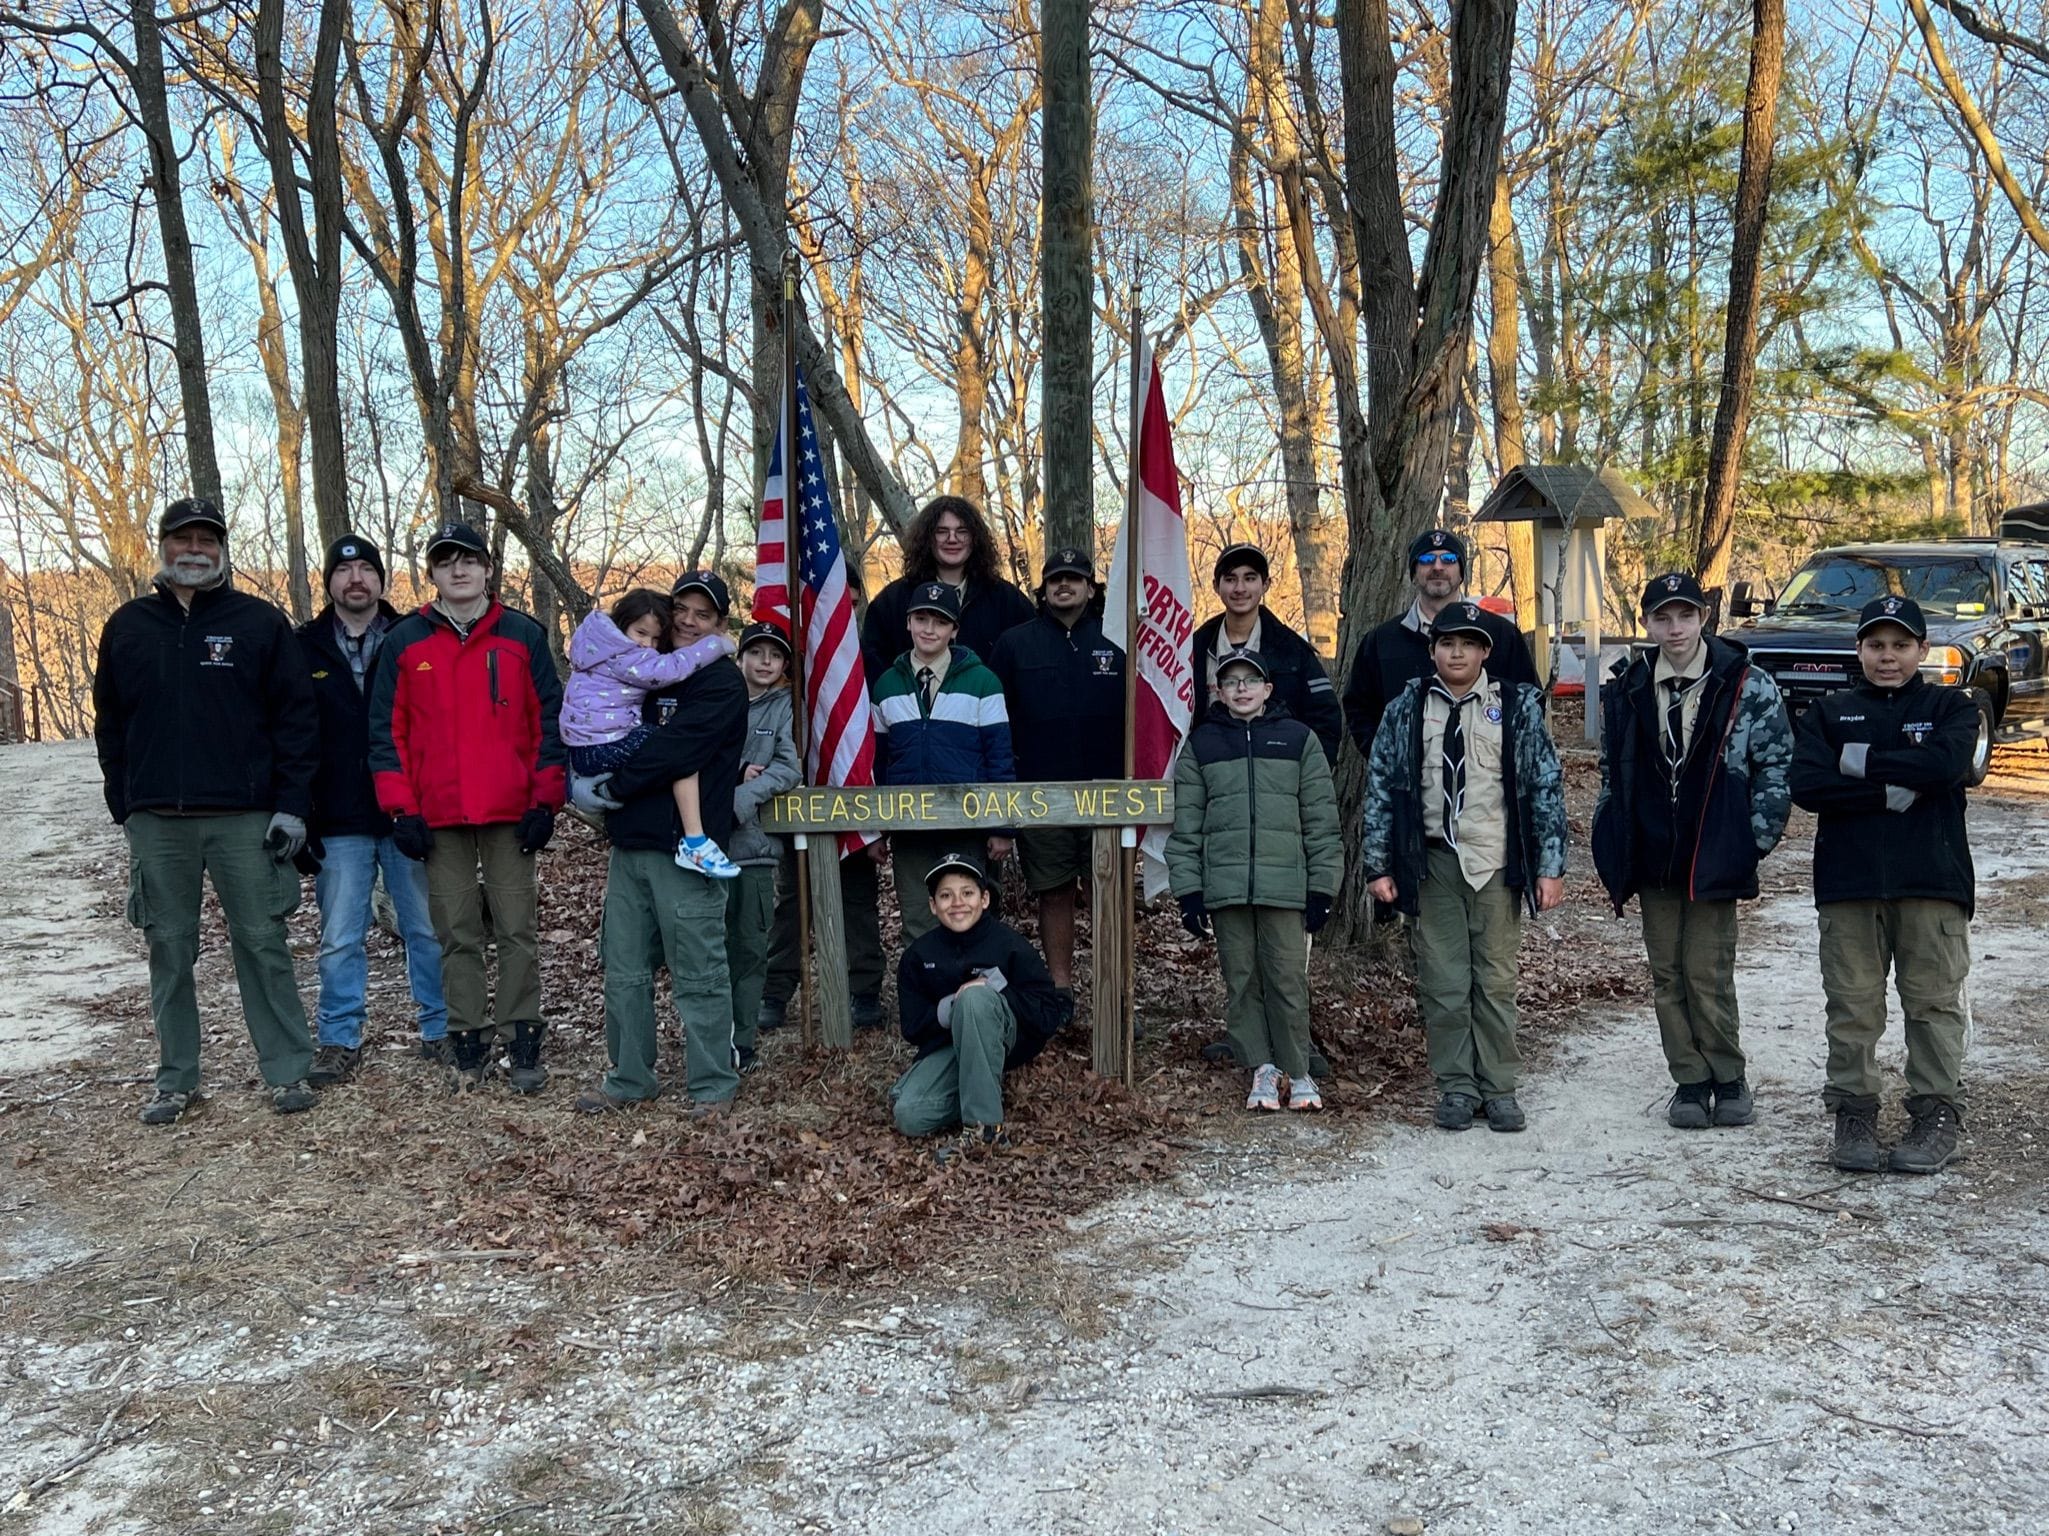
(955, 534)
(1445, 557)
(1240, 680)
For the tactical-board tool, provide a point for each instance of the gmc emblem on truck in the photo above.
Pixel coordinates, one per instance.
(1814, 666)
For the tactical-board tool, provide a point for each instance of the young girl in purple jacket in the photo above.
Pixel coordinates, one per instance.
(614, 664)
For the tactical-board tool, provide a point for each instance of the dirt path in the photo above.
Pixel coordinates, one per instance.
(1601, 1325)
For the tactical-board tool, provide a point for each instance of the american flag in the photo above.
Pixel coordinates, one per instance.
(840, 733)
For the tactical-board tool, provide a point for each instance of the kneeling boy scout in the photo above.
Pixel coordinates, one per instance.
(1883, 765)
(1693, 794)
(1465, 808)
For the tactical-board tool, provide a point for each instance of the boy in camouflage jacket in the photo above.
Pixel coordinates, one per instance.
(1694, 751)
(1465, 825)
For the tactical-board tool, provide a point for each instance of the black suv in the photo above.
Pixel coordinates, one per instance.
(1987, 604)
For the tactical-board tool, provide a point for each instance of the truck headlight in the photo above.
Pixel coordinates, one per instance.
(1945, 664)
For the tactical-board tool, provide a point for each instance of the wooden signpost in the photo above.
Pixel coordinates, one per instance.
(1115, 809)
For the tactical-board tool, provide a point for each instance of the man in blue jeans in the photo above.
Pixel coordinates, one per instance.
(351, 837)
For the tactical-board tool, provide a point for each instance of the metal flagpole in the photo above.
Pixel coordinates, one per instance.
(793, 584)
(1133, 556)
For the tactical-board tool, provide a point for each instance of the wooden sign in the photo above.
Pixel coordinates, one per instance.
(967, 807)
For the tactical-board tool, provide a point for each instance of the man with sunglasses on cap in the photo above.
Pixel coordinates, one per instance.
(1395, 653)
(208, 739)
(351, 840)
(1063, 679)
(1694, 751)
(467, 756)
(1883, 765)
(1240, 579)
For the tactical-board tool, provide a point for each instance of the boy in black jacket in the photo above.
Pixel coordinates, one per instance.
(1883, 765)
(1240, 579)
(977, 1002)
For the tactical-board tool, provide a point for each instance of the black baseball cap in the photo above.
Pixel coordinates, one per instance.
(762, 629)
(188, 511)
(1673, 587)
(1439, 541)
(1250, 657)
(351, 546)
(709, 584)
(935, 597)
(956, 864)
(1461, 619)
(457, 536)
(1236, 555)
(1903, 611)
(1067, 561)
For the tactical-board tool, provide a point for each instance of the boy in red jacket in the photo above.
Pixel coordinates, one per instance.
(469, 765)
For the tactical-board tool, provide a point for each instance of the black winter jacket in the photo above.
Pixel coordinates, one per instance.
(344, 797)
(937, 963)
(1064, 689)
(1301, 686)
(1392, 655)
(207, 709)
(701, 728)
(986, 612)
(1921, 738)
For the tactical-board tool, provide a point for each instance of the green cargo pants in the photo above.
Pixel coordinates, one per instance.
(962, 1083)
(647, 898)
(1465, 979)
(1927, 947)
(1692, 949)
(859, 892)
(911, 856)
(460, 923)
(1265, 958)
(750, 914)
(168, 856)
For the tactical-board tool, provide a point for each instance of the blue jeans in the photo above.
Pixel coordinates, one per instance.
(343, 888)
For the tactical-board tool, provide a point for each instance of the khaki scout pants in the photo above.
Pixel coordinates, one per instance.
(1265, 958)
(459, 923)
(654, 907)
(1465, 979)
(959, 1084)
(1927, 947)
(750, 914)
(168, 857)
(1692, 949)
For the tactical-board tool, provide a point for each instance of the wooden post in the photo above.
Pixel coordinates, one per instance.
(1127, 851)
(829, 937)
(1112, 922)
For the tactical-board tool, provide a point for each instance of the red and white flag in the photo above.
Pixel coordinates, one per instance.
(1166, 616)
(839, 739)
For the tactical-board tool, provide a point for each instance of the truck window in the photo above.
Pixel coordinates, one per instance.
(1845, 583)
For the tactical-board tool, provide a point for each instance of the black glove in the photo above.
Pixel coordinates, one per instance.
(1317, 913)
(307, 860)
(535, 828)
(1195, 916)
(414, 837)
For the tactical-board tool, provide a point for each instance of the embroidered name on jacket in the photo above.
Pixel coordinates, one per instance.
(217, 649)
(1918, 731)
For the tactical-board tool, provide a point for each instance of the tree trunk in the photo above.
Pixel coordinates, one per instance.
(1067, 274)
(1739, 354)
(1504, 347)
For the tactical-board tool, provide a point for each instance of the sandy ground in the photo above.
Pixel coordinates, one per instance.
(1599, 1325)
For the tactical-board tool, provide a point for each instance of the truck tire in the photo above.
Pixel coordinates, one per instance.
(1981, 753)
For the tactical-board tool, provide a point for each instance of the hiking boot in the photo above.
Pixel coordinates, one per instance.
(1220, 1053)
(1931, 1140)
(1732, 1103)
(1857, 1149)
(973, 1141)
(775, 1012)
(1266, 1088)
(867, 1011)
(745, 1059)
(595, 1101)
(333, 1064)
(1455, 1111)
(165, 1108)
(470, 1054)
(1302, 1094)
(1318, 1065)
(526, 1074)
(710, 1109)
(1692, 1107)
(438, 1052)
(293, 1098)
(1504, 1114)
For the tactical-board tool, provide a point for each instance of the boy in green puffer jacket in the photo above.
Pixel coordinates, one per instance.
(1256, 851)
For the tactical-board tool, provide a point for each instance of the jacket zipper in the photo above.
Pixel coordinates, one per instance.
(491, 666)
(1708, 792)
(184, 629)
(1251, 818)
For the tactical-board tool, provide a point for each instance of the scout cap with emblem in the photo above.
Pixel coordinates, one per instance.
(709, 584)
(1672, 587)
(1438, 541)
(935, 597)
(762, 630)
(1903, 611)
(351, 546)
(1242, 657)
(1237, 555)
(1068, 561)
(956, 864)
(1461, 619)
(457, 536)
(187, 511)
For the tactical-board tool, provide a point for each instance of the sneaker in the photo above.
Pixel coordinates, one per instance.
(1266, 1088)
(437, 1051)
(972, 1141)
(706, 858)
(1504, 1114)
(867, 1011)
(1455, 1111)
(469, 1054)
(1732, 1103)
(1857, 1149)
(1302, 1093)
(526, 1074)
(1691, 1107)
(293, 1098)
(592, 792)
(745, 1059)
(776, 1010)
(710, 1109)
(333, 1064)
(1931, 1140)
(165, 1108)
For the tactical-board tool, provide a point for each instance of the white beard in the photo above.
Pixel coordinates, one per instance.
(195, 571)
